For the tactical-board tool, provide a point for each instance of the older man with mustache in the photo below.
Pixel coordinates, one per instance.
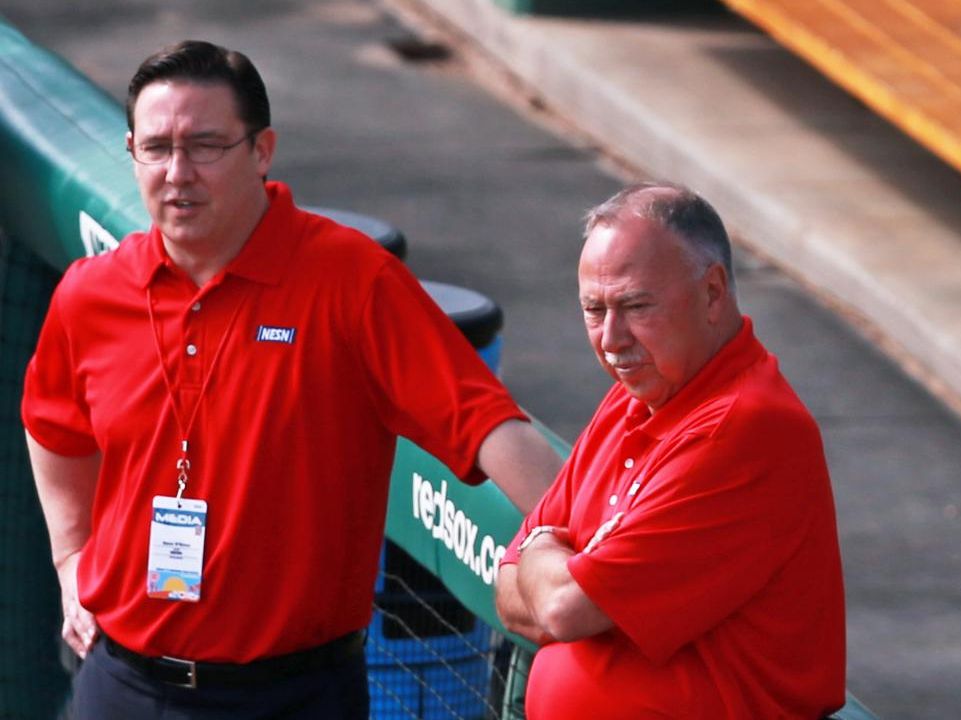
(685, 562)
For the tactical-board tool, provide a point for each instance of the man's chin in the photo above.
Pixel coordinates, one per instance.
(654, 396)
(648, 391)
(181, 234)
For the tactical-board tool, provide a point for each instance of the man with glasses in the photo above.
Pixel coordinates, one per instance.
(211, 415)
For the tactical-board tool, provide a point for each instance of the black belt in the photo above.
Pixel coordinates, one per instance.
(187, 673)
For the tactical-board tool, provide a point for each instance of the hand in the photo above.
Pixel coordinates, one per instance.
(79, 626)
(603, 531)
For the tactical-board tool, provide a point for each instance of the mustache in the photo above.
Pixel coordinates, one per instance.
(616, 359)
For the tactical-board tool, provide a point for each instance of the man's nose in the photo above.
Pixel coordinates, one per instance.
(615, 335)
(179, 167)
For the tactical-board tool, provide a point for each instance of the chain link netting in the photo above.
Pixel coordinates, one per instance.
(429, 658)
(32, 680)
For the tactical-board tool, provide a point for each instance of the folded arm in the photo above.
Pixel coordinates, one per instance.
(539, 599)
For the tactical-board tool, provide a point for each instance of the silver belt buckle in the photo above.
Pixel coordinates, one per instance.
(191, 668)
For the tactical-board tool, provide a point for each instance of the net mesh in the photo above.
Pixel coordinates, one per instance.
(429, 657)
(32, 681)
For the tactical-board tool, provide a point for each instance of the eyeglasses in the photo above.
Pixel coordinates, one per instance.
(199, 152)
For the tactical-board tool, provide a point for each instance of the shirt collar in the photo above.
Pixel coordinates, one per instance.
(742, 351)
(263, 258)
(149, 256)
(266, 255)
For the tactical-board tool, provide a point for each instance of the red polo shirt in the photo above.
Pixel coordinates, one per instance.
(328, 349)
(724, 577)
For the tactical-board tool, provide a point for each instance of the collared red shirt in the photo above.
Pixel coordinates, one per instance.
(330, 349)
(723, 579)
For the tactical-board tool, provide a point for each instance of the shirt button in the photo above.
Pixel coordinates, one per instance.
(195, 307)
(191, 350)
(629, 463)
(613, 500)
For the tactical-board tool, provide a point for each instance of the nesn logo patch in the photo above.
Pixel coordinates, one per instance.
(270, 333)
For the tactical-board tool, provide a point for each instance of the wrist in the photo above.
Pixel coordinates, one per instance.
(534, 534)
(561, 534)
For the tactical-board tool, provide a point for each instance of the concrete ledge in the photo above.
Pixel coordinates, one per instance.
(799, 170)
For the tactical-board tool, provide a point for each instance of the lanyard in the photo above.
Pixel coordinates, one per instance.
(183, 462)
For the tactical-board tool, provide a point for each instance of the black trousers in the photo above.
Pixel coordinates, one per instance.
(106, 688)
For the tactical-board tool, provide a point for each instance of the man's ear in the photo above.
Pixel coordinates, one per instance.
(716, 287)
(264, 147)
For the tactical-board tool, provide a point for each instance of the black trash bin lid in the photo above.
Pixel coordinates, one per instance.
(477, 316)
(389, 237)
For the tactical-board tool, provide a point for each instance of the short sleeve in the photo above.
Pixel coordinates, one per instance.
(429, 384)
(53, 409)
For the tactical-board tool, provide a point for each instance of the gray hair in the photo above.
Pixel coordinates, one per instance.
(681, 211)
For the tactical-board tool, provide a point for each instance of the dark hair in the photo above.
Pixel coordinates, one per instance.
(204, 62)
(680, 210)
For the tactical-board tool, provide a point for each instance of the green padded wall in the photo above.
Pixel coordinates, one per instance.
(65, 178)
